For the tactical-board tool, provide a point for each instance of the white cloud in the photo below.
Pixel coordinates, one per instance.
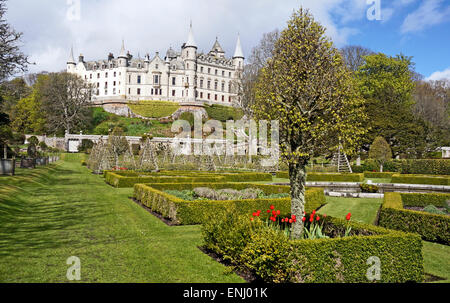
(439, 75)
(150, 26)
(430, 12)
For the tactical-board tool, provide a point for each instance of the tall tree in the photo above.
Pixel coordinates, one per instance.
(354, 56)
(387, 85)
(308, 89)
(12, 60)
(380, 151)
(65, 101)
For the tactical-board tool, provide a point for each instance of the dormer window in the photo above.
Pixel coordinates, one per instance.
(156, 66)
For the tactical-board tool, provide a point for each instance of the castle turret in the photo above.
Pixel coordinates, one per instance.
(238, 58)
(71, 64)
(123, 57)
(189, 55)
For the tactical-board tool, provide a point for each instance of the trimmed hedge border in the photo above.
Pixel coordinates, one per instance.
(276, 259)
(386, 175)
(425, 166)
(130, 178)
(421, 179)
(326, 177)
(431, 227)
(196, 212)
(337, 177)
(423, 200)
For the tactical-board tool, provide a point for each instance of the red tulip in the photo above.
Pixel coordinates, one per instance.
(278, 212)
(318, 218)
(311, 219)
(290, 221)
(268, 211)
(282, 220)
(272, 207)
(304, 219)
(349, 215)
(294, 220)
(274, 213)
(293, 217)
(254, 214)
(314, 212)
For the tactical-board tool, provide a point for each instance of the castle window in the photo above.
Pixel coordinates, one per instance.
(155, 79)
(229, 74)
(215, 97)
(152, 91)
(156, 66)
(160, 91)
(90, 76)
(106, 75)
(229, 99)
(201, 69)
(98, 84)
(129, 78)
(173, 93)
(106, 84)
(223, 73)
(139, 65)
(139, 79)
(223, 86)
(201, 95)
(223, 98)
(229, 87)
(216, 72)
(209, 70)
(114, 83)
(138, 91)
(209, 96)
(216, 85)
(187, 65)
(129, 91)
(98, 75)
(114, 91)
(201, 83)
(209, 84)
(174, 81)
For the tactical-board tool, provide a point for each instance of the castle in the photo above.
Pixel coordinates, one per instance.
(187, 77)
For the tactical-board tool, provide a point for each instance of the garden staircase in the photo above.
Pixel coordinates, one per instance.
(340, 160)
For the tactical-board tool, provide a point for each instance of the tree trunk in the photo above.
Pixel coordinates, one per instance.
(5, 151)
(297, 176)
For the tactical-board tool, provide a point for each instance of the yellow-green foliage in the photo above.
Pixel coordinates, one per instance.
(369, 174)
(421, 179)
(197, 212)
(154, 109)
(431, 227)
(276, 259)
(223, 113)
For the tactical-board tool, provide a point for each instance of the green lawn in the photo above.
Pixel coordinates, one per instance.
(363, 209)
(49, 214)
(436, 259)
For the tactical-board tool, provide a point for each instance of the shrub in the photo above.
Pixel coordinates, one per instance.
(275, 258)
(337, 177)
(431, 227)
(196, 212)
(426, 166)
(372, 166)
(368, 188)
(421, 179)
(433, 210)
(223, 113)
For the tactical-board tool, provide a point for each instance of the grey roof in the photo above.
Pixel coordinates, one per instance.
(238, 53)
(217, 47)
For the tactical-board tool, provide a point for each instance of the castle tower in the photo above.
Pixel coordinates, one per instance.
(123, 57)
(238, 58)
(189, 55)
(71, 64)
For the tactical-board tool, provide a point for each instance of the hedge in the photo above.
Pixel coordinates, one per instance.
(271, 256)
(282, 174)
(338, 177)
(385, 175)
(154, 109)
(129, 178)
(223, 113)
(425, 166)
(196, 212)
(431, 227)
(423, 200)
(421, 179)
(371, 165)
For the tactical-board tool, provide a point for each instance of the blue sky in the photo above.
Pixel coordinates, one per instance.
(418, 28)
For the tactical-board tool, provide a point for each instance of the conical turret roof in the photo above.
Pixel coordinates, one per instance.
(190, 41)
(238, 53)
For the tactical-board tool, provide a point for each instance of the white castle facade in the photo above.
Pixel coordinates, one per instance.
(185, 77)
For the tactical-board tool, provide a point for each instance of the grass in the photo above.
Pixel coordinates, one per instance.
(154, 109)
(62, 210)
(363, 210)
(437, 260)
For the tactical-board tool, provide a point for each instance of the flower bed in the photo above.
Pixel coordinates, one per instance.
(196, 212)
(431, 227)
(270, 255)
(421, 179)
(130, 178)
